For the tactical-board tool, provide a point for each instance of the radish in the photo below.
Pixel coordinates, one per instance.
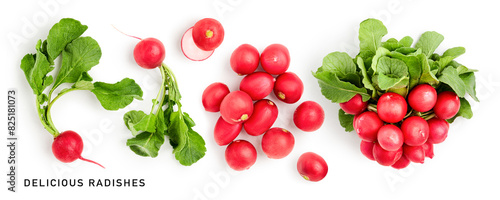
(236, 107)
(68, 146)
(415, 130)
(225, 133)
(415, 154)
(422, 98)
(384, 157)
(190, 50)
(367, 125)
(213, 96)
(438, 130)
(288, 87)
(308, 116)
(265, 113)
(244, 59)
(367, 149)
(354, 106)
(402, 163)
(390, 137)
(447, 105)
(428, 149)
(275, 59)
(240, 155)
(312, 167)
(208, 34)
(391, 107)
(149, 53)
(277, 143)
(258, 85)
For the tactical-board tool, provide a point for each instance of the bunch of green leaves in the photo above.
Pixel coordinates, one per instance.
(165, 119)
(394, 66)
(79, 55)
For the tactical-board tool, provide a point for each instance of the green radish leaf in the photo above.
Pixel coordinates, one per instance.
(346, 120)
(381, 52)
(461, 69)
(427, 75)
(147, 123)
(366, 79)
(336, 90)
(407, 41)
(83, 85)
(469, 80)
(428, 42)
(391, 44)
(61, 34)
(193, 150)
(405, 50)
(177, 131)
(339, 63)
(465, 111)
(370, 36)
(392, 73)
(36, 67)
(146, 144)
(118, 95)
(391, 82)
(450, 77)
(132, 118)
(161, 126)
(414, 67)
(449, 55)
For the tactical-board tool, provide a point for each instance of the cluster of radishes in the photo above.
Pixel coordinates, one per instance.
(238, 110)
(392, 138)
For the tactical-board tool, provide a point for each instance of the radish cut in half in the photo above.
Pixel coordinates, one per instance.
(190, 50)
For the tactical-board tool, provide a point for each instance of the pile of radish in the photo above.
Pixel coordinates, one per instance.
(249, 109)
(200, 41)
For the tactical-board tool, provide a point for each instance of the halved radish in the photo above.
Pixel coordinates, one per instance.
(190, 50)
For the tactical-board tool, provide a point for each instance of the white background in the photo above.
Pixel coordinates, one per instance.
(465, 166)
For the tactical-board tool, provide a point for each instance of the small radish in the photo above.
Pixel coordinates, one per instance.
(258, 85)
(390, 137)
(277, 143)
(225, 133)
(312, 167)
(415, 130)
(428, 150)
(422, 98)
(415, 154)
(402, 163)
(265, 113)
(213, 96)
(149, 53)
(367, 149)
(68, 146)
(391, 107)
(236, 107)
(244, 59)
(354, 106)
(438, 130)
(275, 59)
(309, 116)
(240, 155)
(288, 87)
(367, 125)
(447, 105)
(190, 50)
(208, 34)
(384, 157)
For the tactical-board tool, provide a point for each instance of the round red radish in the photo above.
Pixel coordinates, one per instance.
(309, 116)
(208, 34)
(258, 85)
(265, 113)
(367, 125)
(415, 154)
(422, 98)
(236, 107)
(213, 96)
(312, 167)
(447, 105)
(415, 130)
(438, 130)
(275, 59)
(367, 149)
(402, 163)
(384, 157)
(391, 107)
(288, 87)
(354, 106)
(149, 53)
(244, 59)
(390, 137)
(225, 133)
(68, 146)
(190, 50)
(277, 143)
(428, 149)
(240, 155)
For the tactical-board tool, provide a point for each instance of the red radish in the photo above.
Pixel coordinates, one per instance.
(149, 53)
(367, 149)
(244, 59)
(415, 130)
(288, 87)
(208, 34)
(354, 106)
(390, 137)
(236, 107)
(190, 50)
(391, 107)
(258, 85)
(265, 113)
(438, 130)
(312, 167)
(422, 98)
(240, 155)
(367, 125)
(213, 96)
(415, 154)
(428, 150)
(384, 157)
(225, 133)
(402, 163)
(308, 116)
(277, 143)
(447, 105)
(68, 146)
(275, 59)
